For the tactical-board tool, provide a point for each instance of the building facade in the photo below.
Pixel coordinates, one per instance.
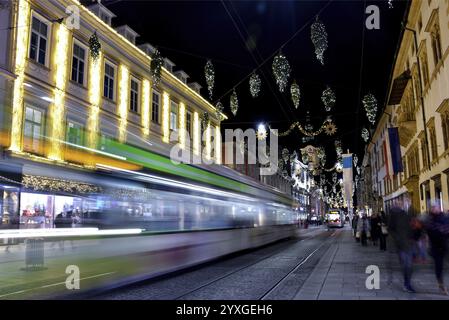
(418, 105)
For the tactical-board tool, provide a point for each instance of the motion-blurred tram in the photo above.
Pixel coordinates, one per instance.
(335, 218)
(163, 217)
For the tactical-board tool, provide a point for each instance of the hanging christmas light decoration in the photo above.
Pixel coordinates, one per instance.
(234, 103)
(205, 119)
(293, 157)
(358, 170)
(156, 66)
(254, 85)
(281, 71)
(330, 129)
(365, 134)
(285, 154)
(94, 46)
(319, 38)
(209, 73)
(370, 104)
(328, 98)
(219, 110)
(355, 159)
(390, 4)
(295, 93)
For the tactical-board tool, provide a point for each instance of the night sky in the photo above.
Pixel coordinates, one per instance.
(239, 35)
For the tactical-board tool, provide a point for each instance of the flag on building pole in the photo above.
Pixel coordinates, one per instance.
(347, 180)
(395, 156)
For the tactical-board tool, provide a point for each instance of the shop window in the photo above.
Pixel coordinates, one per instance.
(33, 130)
(74, 133)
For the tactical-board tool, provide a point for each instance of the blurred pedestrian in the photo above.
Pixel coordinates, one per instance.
(355, 221)
(437, 227)
(383, 231)
(419, 240)
(400, 230)
(363, 226)
(375, 228)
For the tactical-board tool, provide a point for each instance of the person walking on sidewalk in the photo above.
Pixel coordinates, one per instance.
(375, 228)
(437, 227)
(363, 227)
(383, 231)
(355, 221)
(401, 232)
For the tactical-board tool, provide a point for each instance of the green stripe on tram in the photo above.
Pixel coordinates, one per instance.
(160, 163)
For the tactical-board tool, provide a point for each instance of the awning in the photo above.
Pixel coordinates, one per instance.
(397, 90)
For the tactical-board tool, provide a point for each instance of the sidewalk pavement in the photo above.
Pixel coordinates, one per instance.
(341, 274)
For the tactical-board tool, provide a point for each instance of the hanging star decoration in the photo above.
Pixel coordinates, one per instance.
(209, 73)
(219, 110)
(330, 129)
(205, 119)
(319, 38)
(261, 132)
(295, 94)
(94, 46)
(254, 85)
(370, 104)
(328, 98)
(234, 103)
(156, 66)
(365, 134)
(281, 71)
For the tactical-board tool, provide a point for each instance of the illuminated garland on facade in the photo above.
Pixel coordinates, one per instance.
(38, 183)
(308, 133)
(94, 100)
(123, 101)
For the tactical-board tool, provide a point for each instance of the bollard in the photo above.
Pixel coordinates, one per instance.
(34, 254)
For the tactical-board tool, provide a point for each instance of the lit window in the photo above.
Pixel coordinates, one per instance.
(74, 133)
(32, 129)
(109, 80)
(78, 64)
(38, 41)
(134, 96)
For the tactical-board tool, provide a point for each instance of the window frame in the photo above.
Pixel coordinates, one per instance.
(114, 67)
(176, 114)
(85, 61)
(42, 128)
(42, 19)
(76, 123)
(157, 93)
(139, 94)
(189, 113)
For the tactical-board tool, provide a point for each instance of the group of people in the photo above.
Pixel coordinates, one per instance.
(372, 228)
(410, 234)
(413, 237)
